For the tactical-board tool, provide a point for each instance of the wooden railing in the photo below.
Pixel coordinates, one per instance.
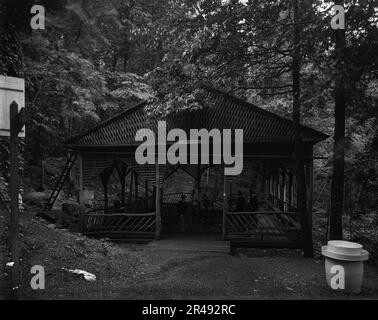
(248, 224)
(277, 202)
(174, 197)
(117, 224)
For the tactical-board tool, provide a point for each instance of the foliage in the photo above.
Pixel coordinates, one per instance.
(98, 58)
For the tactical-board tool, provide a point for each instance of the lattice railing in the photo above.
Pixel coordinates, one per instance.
(277, 202)
(100, 223)
(246, 224)
(174, 198)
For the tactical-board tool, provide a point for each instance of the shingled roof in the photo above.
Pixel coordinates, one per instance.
(224, 112)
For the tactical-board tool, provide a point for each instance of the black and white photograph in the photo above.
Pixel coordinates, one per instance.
(192, 156)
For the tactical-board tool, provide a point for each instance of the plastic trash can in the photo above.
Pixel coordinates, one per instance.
(350, 256)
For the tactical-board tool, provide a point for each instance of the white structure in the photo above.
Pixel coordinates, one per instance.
(11, 89)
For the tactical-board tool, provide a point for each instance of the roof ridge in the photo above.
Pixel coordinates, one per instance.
(259, 109)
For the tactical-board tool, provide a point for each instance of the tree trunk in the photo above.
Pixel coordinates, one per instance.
(125, 60)
(114, 62)
(301, 183)
(337, 188)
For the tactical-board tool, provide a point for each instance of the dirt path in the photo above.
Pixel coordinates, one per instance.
(147, 272)
(245, 275)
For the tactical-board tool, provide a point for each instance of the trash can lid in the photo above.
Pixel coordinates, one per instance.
(345, 250)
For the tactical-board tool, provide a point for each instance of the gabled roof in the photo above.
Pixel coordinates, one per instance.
(223, 112)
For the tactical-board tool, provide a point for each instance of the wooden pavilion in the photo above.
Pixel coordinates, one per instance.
(107, 153)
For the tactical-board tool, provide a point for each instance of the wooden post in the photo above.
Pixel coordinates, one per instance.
(105, 177)
(277, 174)
(146, 192)
(136, 192)
(154, 195)
(81, 194)
(198, 179)
(121, 168)
(290, 200)
(273, 185)
(224, 225)
(123, 192)
(130, 189)
(277, 187)
(270, 183)
(310, 190)
(157, 202)
(14, 193)
(263, 186)
(106, 199)
(283, 190)
(294, 199)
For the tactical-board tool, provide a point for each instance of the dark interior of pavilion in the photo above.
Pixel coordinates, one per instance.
(192, 199)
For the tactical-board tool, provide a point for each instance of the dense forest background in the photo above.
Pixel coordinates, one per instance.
(96, 58)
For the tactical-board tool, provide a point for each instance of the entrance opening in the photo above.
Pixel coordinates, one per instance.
(192, 203)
